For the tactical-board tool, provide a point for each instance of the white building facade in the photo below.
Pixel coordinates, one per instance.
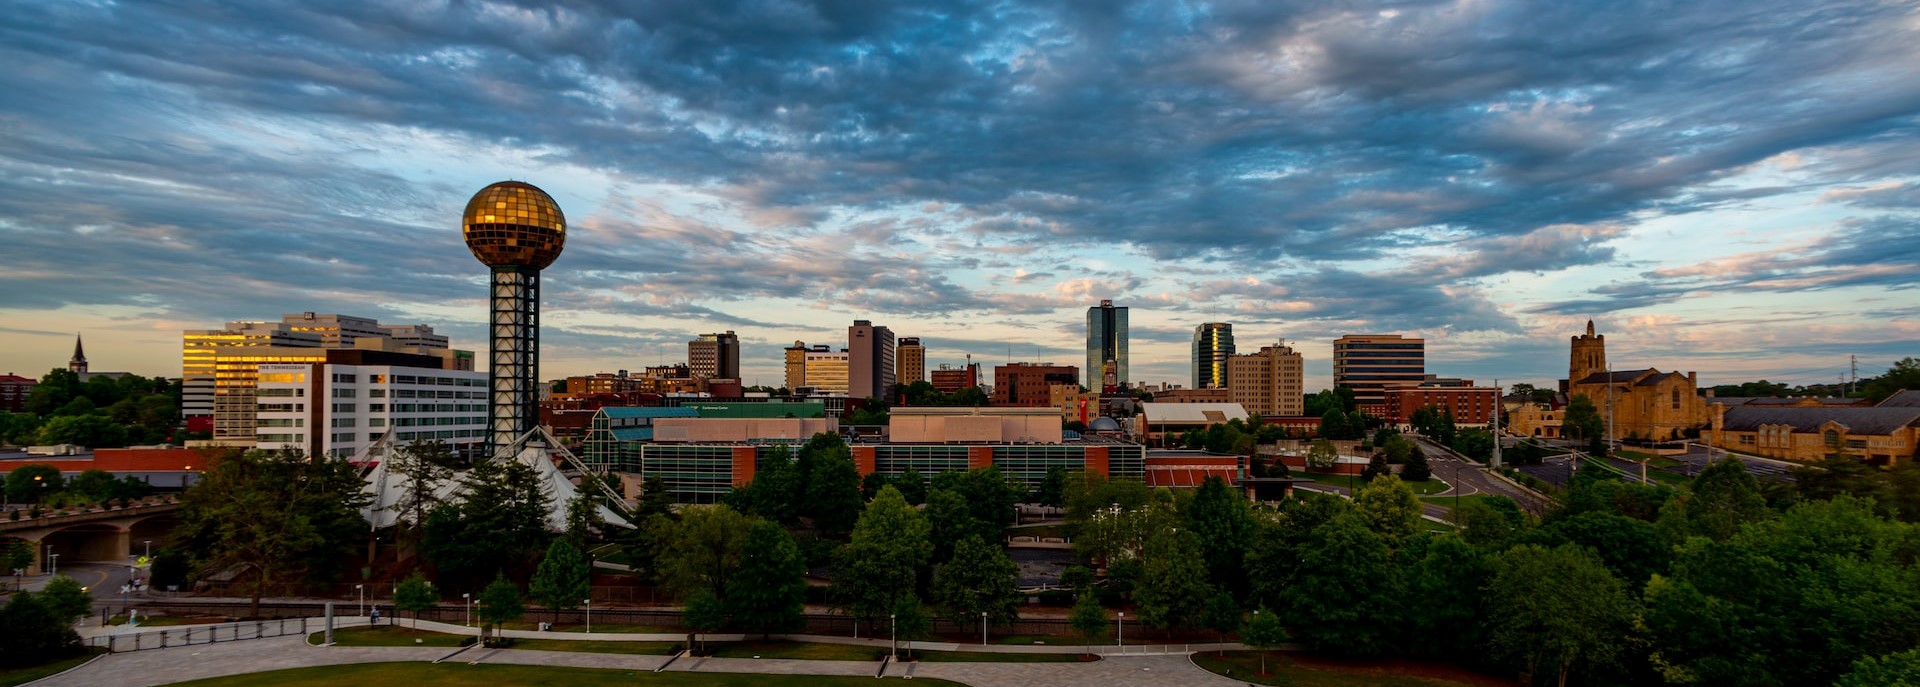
(338, 410)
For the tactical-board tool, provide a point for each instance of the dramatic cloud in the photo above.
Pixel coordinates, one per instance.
(973, 172)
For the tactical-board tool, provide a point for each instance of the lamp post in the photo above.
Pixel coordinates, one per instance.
(148, 543)
(360, 590)
(1122, 633)
(468, 622)
(589, 604)
(894, 652)
(983, 628)
(56, 563)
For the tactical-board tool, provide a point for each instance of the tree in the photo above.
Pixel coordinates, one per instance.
(910, 620)
(990, 497)
(1389, 508)
(91, 431)
(1892, 670)
(94, 485)
(1075, 577)
(703, 551)
(1721, 499)
(500, 603)
(979, 580)
(1263, 632)
(414, 594)
(15, 553)
(1322, 455)
(881, 564)
(949, 521)
(1346, 562)
(1223, 519)
(1376, 467)
(1052, 492)
(871, 484)
(499, 522)
(1474, 443)
(656, 499)
(1554, 609)
(1582, 421)
(1417, 469)
(912, 486)
(769, 592)
(1904, 374)
(28, 483)
(423, 466)
(1445, 600)
(273, 516)
(833, 493)
(563, 579)
(705, 614)
(1173, 587)
(1222, 616)
(1088, 618)
(35, 633)
(64, 597)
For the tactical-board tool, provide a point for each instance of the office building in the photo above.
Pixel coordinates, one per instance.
(1369, 363)
(911, 361)
(1106, 347)
(338, 409)
(1470, 406)
(1269, 382)
(1212, 346)
(796, 365)
(949, 379)
(715, 356)
(13, 392)
(827, 370)
(870, 360)
(1030, 384)
(620, 382)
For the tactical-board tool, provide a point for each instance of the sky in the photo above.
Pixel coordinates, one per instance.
(1728, 187)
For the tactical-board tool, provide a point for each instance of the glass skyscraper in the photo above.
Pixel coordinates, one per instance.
(1212, 346)
(1106, 347)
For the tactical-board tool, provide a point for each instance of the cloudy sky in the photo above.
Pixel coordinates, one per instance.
(1730, 187)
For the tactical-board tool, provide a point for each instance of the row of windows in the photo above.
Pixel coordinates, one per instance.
(281, 422)
(282, 393)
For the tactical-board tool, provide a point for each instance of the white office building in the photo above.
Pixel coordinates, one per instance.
(339, 410)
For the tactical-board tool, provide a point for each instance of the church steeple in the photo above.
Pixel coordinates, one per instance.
(1588, 355)
(78, 364)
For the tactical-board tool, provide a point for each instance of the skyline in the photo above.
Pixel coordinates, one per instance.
(1731, 189)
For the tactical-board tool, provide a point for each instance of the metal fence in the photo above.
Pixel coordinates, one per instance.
(141, 640)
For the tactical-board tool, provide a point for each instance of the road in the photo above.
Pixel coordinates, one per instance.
(1472, 477)
(1554, 470)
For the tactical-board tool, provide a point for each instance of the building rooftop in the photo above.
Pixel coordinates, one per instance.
(1192, 413)
(1906, 398)
(648, 411)
(1807, 420)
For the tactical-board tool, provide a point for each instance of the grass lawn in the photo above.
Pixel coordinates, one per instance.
(485, 675)
(806, 650)
(537, 617)
(1448, 500)
(595, 646)
(988, 657)
(1285, 670)
(21, 676)
(388, 635)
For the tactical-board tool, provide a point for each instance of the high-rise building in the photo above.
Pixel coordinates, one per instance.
(1269, 382)
(1212, 346)
(715, 356)
(827, 370)
(796, 361)
(516, 230)
(870, 361)
(911, 360)
(1030, 384)
(1106, 347)
(1369, 363)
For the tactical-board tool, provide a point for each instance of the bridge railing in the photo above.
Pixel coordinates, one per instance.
(138, 639)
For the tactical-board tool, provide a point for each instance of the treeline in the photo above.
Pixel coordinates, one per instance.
(44, 486)
(100, 412)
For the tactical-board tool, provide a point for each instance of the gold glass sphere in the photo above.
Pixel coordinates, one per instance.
(514, 224)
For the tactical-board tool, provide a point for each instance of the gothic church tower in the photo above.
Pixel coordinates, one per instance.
(1589, 355)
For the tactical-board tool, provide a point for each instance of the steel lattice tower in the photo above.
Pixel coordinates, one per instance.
(517, 230)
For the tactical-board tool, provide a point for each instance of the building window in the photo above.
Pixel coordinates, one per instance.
(344, 393)
(376, 393)
(343, 378)
(1833, 439)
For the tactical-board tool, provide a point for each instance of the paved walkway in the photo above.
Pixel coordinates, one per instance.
(166, 666)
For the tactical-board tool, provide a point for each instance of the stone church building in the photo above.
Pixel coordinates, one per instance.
(1645, 404)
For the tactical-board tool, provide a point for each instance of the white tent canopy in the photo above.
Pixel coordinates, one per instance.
(389, 490)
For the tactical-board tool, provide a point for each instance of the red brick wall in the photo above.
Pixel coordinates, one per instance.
(743, 465)
(865, 459)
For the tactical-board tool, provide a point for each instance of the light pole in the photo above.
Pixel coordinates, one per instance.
(983, 628)
(149, 544)
(56, 564)
(589, 604)
(1122, 633)
(468, 622)
(893, 653)
(360, 590)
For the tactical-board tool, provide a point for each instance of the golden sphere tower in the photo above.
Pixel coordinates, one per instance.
(517, 230)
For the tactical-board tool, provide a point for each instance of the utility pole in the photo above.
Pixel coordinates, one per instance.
(1499, 401)
(1853, 374)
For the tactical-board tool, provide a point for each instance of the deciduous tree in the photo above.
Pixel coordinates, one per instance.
(1555, 609)
(769, 592)
(1173, 588)
(1088, 618)
(563, 579)
(979, 579)
(1346, 591)
(881, 564)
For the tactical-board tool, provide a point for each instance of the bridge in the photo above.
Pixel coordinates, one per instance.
(96, 534)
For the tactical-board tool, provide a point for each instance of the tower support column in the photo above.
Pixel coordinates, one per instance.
(514, 376)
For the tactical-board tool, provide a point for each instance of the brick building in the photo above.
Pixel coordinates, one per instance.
(1030, 384)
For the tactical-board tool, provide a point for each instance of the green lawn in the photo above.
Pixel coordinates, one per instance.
(1448, 500)
(21, 676)
(534, 618)
(989, 657)
(411, 674)
(388, 636)
(1243, 666)
(806, 650)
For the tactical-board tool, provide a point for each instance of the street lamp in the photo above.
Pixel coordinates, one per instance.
(894, 652)
(56, 564)
(469, 620)
(589, 604)
(983, 628)
(360, 590)
(149, 544)
(1122, 633)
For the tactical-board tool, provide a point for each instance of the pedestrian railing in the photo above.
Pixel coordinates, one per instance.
(137, 639)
